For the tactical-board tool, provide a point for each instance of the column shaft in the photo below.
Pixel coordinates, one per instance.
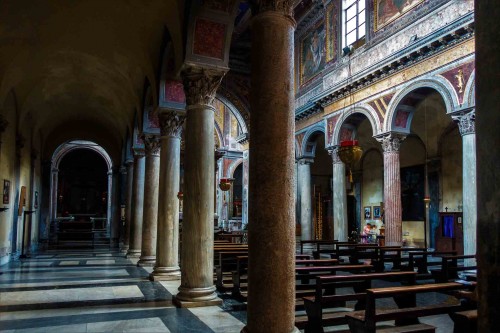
(128, 205)
(150, 214)
(339, 200)
(167, 246)
(135, 243)
(271, 232)
(304, 182)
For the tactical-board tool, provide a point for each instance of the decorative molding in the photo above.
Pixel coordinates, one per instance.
(171, 122)
(152, 144)
(466, 122)
(391, 142)
(200, 84)
(283, 6)
(304, 160)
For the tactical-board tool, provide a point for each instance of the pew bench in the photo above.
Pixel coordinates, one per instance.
(326, 297)
(464, 321)
(407, 312)
(450, 268)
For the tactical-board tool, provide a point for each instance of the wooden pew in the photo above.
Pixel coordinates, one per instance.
(420, 260)
(408, 311)
(394, 254)
(464, 321)
(326, 297)
(450, 268)
(226, 262)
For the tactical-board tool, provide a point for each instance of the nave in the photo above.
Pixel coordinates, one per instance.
(102, 291)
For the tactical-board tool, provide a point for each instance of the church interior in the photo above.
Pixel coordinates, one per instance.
(249, 166)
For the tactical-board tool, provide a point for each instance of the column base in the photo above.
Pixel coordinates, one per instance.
(294, 330)
(131, 253)
(196, 297)
(165, 274)
(146, 261)
(124, 249)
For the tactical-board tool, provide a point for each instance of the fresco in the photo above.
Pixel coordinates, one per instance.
(312, 53)
(332, 15)
(387, 11)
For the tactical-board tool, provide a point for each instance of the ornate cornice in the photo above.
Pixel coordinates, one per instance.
(282, 6)
(391, 142)
(152, 144)
(200, 84)
(466, 122)
(171, 122)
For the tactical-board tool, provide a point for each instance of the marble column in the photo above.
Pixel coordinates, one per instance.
(487, 99)
(393, 212)
(135, 240)
(466, 122)
(129, 165)
(339, 198)
(167, 245)
(305, 197)
(151, 187)
(197, 270)
(271, 226)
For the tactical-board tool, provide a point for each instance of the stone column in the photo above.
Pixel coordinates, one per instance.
(393, 211)
(129, 165)
(487, 98)
(54, 177)
(466, 124)
(150, 213)
(135, 241)
(197, 260)
(271, 226)
(167, 246)
(305, 200)
(339, 198)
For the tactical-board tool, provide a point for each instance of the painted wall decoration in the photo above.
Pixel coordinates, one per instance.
(6, 192)
(330, 127)
(312, 53)
(458, 77)
(299, 138)
(387, 11)
(401, 119)
(174, 92)
(332, 24)
(380, 105)
(209, 38)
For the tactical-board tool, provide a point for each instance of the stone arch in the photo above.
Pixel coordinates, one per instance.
(232, 167)
(365, 110)
(308, 147)
(436, 83)
(57, 157)
(220, 137)
(236, 113)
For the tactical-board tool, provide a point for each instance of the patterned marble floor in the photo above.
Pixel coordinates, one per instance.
(98, 292)
(102, 291)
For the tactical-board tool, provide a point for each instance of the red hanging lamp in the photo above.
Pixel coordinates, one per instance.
(350, 153)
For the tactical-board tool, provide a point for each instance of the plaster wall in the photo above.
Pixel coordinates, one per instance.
(372, 188)
(413, 233)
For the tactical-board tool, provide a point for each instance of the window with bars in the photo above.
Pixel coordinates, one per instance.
(354, 15)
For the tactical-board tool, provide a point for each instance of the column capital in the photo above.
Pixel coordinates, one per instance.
(466, 121)
(305, 160)
(129, 162)
(138, 152)
(333, 152)
(200, 84)
(3, 124)
(281, 6)
(171, 122)
(152, 144)
(391, 142)
(123, 170)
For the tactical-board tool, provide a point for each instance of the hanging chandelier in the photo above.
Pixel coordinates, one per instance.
(349, 153)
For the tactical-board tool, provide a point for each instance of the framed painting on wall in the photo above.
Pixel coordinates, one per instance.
(386, 11)
(368, 212)
(376, 212)
(312, 53)
(6, 192)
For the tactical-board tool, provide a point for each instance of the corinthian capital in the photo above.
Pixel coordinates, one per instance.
(334, 153)
(282, 6)
(391, 142)
(200, 85)
(151, 144)
(466, 122)
(171, 122)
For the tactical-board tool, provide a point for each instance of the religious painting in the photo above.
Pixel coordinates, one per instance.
(312, 54)
(387, 11)
(368, 212)
(6, 191)
(332, 23)
(376, 212)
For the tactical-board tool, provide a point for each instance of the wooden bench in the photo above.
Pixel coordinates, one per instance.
(450, 268)
(226, 262)
(407, 313)
(420, 260)
(325, 297)
(464, 321)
